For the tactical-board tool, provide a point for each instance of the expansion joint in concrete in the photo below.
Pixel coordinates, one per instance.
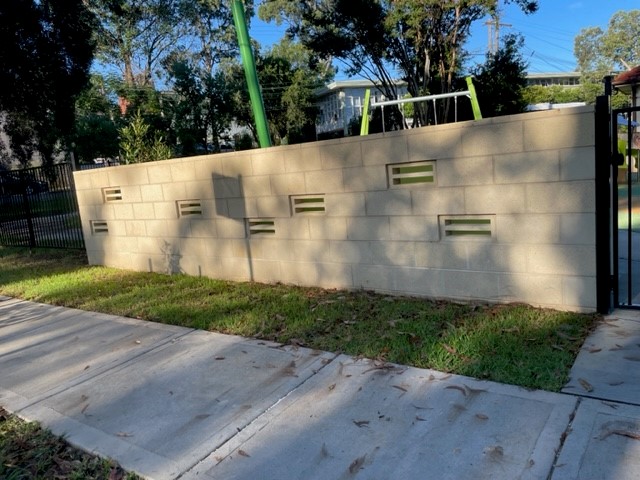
(254, 425)
(564, 435)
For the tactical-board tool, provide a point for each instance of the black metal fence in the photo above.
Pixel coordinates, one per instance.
(38, 208)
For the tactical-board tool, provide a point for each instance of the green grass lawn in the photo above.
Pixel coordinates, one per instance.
(514, 344)
(30, 452)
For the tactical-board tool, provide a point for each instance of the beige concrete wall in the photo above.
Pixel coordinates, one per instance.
(526, 180)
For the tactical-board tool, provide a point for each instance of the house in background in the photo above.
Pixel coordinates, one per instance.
(564, 79)
(342, 101)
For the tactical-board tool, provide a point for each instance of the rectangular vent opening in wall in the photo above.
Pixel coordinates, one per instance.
(307, 204)
(189, 208)
(414, 173)
(261, 226)
(99, 227)
(468, 227)
(112, 194)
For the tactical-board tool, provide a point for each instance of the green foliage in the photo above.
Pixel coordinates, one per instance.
(45, 53)
(501, 80)
(96, 136)
(422, 39)
(289, 76)
(599, 52)
(202, 106)
(515, 344)
(602, 52)
(243, 141)
(137, 145)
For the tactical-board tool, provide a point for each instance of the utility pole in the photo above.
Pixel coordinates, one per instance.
(494, 32)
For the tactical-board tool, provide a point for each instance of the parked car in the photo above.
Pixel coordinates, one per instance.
(15, 184)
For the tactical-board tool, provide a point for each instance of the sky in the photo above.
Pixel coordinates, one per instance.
(548, 33)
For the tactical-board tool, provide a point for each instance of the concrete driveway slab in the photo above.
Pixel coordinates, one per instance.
(608, 365)
(167, 410)
(361, 419)
(603, 443)
(50, 353)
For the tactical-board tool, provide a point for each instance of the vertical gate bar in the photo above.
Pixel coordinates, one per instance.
(629, 214)
(615, 208)
(604, 234)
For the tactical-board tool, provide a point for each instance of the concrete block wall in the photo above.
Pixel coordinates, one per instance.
(526, 181)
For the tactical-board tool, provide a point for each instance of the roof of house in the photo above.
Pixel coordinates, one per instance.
(627, 79)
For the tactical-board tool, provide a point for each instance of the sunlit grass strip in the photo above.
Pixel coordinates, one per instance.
(514, 344)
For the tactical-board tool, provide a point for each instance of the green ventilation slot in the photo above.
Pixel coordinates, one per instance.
(261, 226)
(307, 205)
(414, 173)
(189, 208)
(111, 194)
(467, 228)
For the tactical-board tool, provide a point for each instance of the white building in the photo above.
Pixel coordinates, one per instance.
(342, 101)
(564, 79)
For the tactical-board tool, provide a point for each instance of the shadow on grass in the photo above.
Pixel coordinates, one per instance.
(514, 344)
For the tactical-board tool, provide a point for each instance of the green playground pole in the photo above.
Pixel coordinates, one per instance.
(250, 73)
(475, 106)
(364, 124)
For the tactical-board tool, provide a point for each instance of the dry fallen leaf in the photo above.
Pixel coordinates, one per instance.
(495, 452)
(243, 453)
(622, 428)
(586, 385)
(566, 337)
(594, 350)
(481, 416)
(87, 367)
(361, 423)
(457, 387)
(356, 465)
(332, 386)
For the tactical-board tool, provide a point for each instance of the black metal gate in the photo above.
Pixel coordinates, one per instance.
(625, 148)
(38, 208)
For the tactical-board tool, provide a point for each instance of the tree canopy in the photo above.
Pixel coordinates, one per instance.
(421, 39)
(601, 52)
(46, 50)
(500, 82)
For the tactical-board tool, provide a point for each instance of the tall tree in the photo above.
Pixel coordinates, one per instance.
(500, 82)
(45, 54)
(289, 77)
(601, 52)
(97, 119)
(135, 35)
(203, 97)
(422, 39)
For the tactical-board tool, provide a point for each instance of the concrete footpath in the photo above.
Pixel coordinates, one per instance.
(170, 402)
